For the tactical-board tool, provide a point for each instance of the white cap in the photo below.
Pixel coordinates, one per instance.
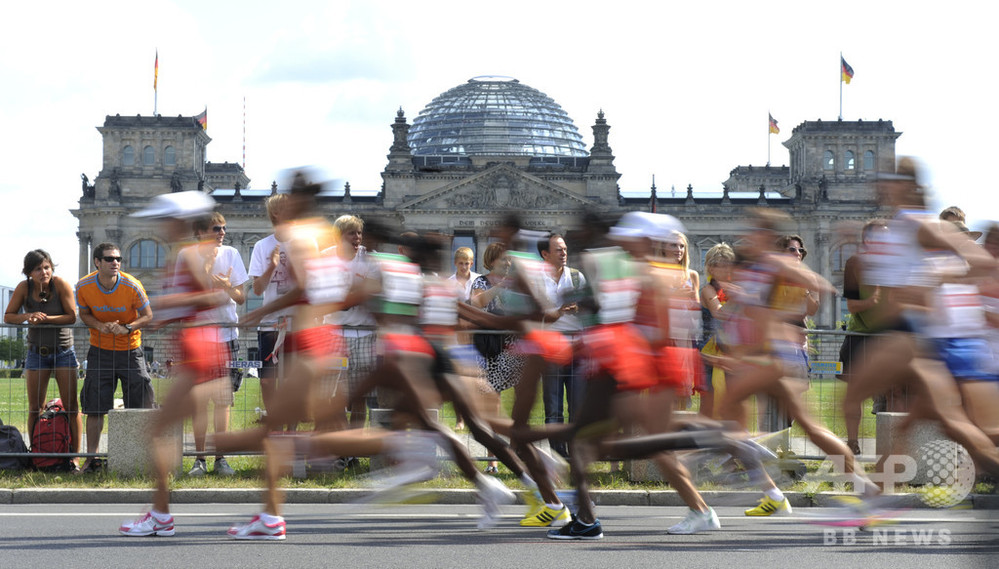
(178, 205)
(655, 226)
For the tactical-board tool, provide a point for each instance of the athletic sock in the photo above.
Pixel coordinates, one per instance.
(775, 494)
(160, 516)
(269, 519)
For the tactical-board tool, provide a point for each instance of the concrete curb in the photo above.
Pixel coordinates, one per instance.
(659, 498)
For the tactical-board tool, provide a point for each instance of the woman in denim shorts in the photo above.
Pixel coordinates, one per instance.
(44, 301)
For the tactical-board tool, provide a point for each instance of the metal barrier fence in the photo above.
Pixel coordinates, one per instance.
(823, 398)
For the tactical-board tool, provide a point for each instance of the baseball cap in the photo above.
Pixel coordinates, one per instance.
(178, 205)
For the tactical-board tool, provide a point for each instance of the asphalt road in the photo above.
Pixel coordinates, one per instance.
(408, 536)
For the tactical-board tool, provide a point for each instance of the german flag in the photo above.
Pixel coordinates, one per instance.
(847, 71)
(156, 69)
(202, 119)
(774, 129)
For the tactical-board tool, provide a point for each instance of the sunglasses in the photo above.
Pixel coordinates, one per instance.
(218, 228)
(110, 259)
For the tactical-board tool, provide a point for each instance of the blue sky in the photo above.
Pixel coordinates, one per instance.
(686, 89)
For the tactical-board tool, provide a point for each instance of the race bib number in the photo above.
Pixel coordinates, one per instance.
(326, 280)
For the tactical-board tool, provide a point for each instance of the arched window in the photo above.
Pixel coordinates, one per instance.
(146, 254)
(850, 160)
(869, 160)
(169, 156)
(828, 160)
(127, 156)
(148, 156)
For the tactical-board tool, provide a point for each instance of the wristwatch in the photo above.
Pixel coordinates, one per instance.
(127, 327)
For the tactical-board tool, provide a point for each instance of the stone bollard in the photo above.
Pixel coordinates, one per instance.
(129, 444)
(890, 440)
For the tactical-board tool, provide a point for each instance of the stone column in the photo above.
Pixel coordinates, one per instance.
(84, 258)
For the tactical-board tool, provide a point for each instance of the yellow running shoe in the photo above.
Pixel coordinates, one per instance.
(769, 507)
(547, 517)
(534, 502)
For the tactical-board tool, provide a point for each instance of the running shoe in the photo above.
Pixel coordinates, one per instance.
(257, 529)
(492, 494)
(696, 522)
(546, 517)
(534, 502)
(577, 530)
(769, 507)
(147, 525)
(222, 467)
(199, 469)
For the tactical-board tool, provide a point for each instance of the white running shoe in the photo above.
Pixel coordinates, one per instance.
(696, 522)
(257, 529)
(147, 525)
(493, 494)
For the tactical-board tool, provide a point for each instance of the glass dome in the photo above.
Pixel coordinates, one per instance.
(495, 116)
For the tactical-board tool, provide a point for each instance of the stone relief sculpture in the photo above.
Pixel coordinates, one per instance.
(114, 184)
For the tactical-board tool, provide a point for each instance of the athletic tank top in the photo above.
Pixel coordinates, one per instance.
(958, 311)
(615, 284)
(894, 257)
(402, 285)
(440, 302)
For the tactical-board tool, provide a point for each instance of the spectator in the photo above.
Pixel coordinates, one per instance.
(864, 304)
(272, 278)
(562, 286)
(953, 213)
(499, 366)
(464, 258)
(114, 306)
(47, 300)
(718, 264)
(227, 273)
(356, 322)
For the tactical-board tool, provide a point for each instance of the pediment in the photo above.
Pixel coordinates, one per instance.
(499, 187)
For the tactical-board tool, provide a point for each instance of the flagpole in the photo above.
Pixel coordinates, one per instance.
(768, 137)
(841, 85)
(156, 79)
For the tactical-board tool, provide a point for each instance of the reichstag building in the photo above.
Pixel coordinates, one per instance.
(476, 151)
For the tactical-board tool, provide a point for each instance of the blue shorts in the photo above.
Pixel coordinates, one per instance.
(51, 360)
(964, 357)
(792, 357)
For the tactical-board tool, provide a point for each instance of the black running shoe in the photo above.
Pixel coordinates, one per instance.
(577, 530)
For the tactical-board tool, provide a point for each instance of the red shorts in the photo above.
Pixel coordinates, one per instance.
(549, 344)
(318, 342)
(621, 351)
(679, 368)
(407, 343)
(201, 352)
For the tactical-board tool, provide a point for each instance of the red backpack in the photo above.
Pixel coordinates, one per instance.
(51, 434)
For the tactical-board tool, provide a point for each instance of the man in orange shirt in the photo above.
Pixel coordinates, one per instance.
(114, 305)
